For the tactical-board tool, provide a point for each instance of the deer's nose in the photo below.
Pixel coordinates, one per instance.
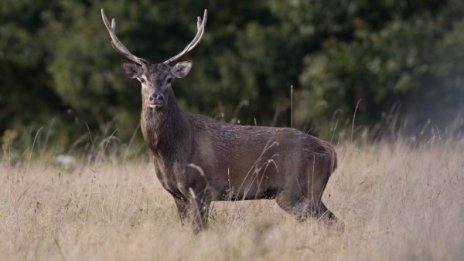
(156, 98)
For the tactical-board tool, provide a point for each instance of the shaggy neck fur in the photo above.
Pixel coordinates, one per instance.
(163, 128)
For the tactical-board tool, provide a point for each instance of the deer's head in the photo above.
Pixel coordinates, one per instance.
(155, 79)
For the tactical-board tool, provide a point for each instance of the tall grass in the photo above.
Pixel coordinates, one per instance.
(90, 145)
(398, 202)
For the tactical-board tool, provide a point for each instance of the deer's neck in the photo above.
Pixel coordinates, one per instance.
(166, 129)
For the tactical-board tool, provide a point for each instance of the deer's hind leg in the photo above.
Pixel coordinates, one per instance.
(315, 178)
(302, 207)
(294, 205)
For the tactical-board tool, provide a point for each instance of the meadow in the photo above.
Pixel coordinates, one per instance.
(397, 200)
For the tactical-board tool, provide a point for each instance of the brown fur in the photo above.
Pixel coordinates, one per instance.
(199, 160)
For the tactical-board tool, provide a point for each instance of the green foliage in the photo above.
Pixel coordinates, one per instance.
(57, 65)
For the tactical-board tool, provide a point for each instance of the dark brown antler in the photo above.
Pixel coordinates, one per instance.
(200, 30)
(117, 45)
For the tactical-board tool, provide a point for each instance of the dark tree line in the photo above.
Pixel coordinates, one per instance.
(58, 71)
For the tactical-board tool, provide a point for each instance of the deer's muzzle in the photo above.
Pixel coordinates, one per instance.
(156, 100)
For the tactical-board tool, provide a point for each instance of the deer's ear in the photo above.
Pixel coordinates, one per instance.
(132, 70)
(181, 69)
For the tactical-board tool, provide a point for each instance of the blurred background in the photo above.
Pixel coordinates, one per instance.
(372, 68)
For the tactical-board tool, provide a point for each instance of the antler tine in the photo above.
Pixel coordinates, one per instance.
(117, 45)
(200, 31)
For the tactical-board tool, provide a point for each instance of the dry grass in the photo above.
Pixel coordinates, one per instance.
(397, 203)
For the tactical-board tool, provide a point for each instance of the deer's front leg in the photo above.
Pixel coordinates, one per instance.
(182, 209)
(194, 188)
(199, 203)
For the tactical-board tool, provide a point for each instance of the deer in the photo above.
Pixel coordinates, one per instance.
(199, 160)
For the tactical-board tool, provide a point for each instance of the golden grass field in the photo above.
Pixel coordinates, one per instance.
(397, 202)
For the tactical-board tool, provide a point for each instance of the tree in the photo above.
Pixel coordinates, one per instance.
(57, 64)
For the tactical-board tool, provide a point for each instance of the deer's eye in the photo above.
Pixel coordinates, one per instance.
(169, 80)
(142, 80)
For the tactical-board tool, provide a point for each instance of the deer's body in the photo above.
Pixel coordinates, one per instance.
(235, 162)
(199, 160)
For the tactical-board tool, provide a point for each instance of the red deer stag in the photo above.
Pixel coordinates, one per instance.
(198, 159)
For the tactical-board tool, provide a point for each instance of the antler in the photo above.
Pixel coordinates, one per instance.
(117, 45)
(200, 30)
